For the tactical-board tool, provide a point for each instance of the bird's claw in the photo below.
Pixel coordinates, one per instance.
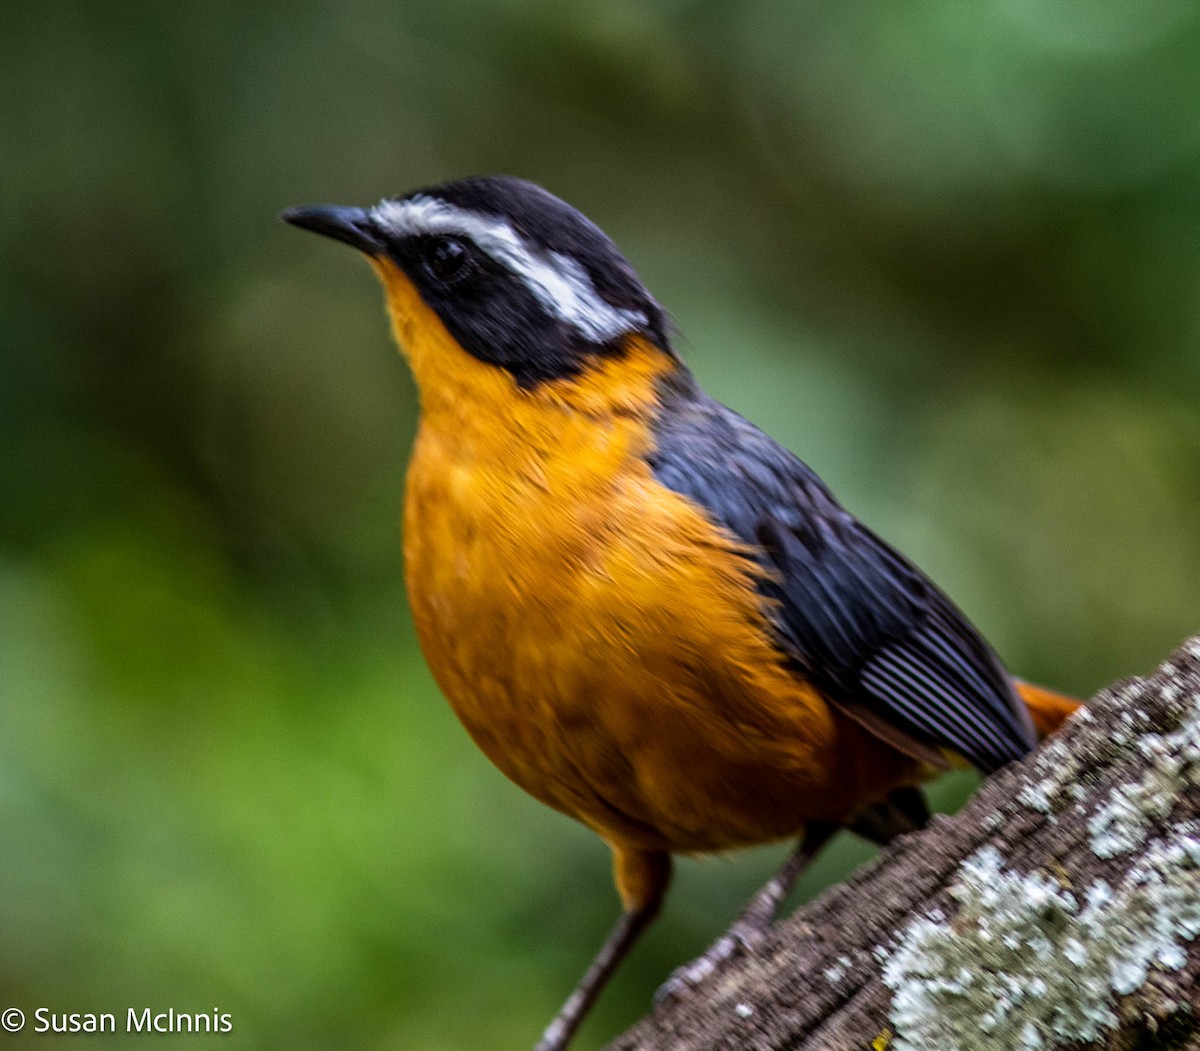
(686, 979)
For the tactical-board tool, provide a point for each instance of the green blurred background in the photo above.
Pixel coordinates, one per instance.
(947, 252)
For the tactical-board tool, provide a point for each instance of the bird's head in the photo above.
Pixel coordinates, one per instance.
(497, 270)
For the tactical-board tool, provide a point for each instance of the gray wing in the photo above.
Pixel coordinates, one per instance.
(852, 615)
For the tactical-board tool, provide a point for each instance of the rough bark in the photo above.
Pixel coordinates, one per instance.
(1057, 910)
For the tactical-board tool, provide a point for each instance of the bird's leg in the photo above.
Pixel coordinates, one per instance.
(753, 922)
(559, 1032)
(755, 919)
(642, 879)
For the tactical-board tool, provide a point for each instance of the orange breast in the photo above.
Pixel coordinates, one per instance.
(600, 639)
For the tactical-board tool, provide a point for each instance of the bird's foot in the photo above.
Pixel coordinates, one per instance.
(751, 927)
(740, 940)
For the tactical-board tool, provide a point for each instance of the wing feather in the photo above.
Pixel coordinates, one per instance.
(851, 613)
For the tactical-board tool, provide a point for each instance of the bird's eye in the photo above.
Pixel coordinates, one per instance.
(446, 258)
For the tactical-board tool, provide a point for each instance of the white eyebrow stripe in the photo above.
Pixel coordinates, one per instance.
(557, 281)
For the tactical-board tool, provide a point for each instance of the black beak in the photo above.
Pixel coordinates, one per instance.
(351, 225)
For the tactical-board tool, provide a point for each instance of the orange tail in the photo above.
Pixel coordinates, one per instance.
(1047, 708)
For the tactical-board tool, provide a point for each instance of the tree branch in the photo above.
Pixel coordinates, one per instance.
(1057, 909)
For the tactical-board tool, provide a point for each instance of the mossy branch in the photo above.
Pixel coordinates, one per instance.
(1059, 909)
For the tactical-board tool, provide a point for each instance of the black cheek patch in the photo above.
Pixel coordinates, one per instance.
(496, 319)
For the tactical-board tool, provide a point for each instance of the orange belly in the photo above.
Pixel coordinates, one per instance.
(606, 647)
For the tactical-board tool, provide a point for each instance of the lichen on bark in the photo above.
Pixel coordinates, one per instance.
(1060, 908)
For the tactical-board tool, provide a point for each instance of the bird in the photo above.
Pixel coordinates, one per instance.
(644, 610)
